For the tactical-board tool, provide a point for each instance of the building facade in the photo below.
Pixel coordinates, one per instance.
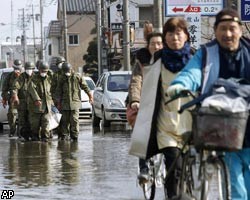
(80, 17)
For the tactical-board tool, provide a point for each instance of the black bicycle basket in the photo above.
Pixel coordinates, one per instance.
(218, 129)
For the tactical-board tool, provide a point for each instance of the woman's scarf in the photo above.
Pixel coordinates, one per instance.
(175, 60)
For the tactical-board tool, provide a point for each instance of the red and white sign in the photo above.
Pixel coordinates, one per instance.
(182, 7)
(192, 9)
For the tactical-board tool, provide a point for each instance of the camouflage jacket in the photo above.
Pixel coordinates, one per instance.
(55, 79)
(20, 87)
(7, 85)
(68, 92)
(39, 89)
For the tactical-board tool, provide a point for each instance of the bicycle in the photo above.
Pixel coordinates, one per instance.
(204, 173)
(157, 173)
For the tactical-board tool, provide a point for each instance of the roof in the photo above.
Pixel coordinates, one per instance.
(79, 6)
(54, 28)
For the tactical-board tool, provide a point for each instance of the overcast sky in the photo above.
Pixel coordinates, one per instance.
(50, 7)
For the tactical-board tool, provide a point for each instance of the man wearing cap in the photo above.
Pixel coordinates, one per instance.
(68, 97)
(227, 56)
(19, 98)
(39, 103)
(6, 95)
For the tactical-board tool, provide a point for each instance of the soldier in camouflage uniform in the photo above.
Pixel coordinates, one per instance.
(39, 103)
(68, 97)
(19, 97)
(57, 73)
(6, 95)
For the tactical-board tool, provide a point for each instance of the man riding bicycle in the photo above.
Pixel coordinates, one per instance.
(227, 56)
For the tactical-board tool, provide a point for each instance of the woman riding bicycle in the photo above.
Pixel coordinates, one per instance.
(158, 127)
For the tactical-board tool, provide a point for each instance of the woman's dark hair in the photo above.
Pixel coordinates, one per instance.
(151, 35)
(173, 23)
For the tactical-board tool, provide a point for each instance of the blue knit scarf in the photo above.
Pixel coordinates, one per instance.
(175, 60)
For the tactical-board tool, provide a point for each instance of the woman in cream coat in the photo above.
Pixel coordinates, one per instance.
(159, 127)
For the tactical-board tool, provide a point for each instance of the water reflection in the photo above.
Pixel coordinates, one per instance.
(33, 164)
(115, 128)
(115, 168)
(97, 167)
(69, 162)
(28, 163)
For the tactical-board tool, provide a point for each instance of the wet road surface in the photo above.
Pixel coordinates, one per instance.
(97, 167)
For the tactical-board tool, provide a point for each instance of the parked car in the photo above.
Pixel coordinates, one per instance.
(3, 111)
(109, 97)
(86, 108)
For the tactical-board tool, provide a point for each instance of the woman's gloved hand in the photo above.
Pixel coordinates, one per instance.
(174, 90)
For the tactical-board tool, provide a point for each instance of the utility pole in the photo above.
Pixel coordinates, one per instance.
(41, 27)
(126, 36)
(99, 21)
(24, 38)
(158, 25)
(65, 35)
(104, 25)
(11, 27)
(34, 39)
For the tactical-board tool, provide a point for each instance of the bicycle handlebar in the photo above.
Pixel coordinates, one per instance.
(186, 93)
(181, 94)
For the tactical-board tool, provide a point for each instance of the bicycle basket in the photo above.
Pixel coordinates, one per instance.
(218, 130)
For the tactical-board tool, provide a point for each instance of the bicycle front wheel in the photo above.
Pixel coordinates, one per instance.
(149, 189)
(216, 182)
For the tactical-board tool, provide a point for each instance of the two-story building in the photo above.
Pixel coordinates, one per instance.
(80, 16)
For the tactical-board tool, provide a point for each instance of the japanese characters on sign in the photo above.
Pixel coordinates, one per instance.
(244, 10)
(194, 29)
(182, 7)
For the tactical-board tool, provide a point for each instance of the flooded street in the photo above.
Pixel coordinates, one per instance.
(97, 167)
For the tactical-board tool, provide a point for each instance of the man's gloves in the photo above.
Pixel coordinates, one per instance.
(38, 103)
(135, 105)
(174, 90)
(15, 99)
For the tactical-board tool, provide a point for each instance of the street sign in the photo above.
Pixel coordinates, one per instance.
(183, 7)
(194, 29)
(244, 10)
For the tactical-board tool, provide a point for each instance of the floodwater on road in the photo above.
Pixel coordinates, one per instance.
(97, 167)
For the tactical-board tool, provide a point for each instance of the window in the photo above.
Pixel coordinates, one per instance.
(119, 82)
(74, 39)
(145, 14)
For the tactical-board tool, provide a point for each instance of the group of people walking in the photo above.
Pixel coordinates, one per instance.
(34, 93)
(168, 65)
